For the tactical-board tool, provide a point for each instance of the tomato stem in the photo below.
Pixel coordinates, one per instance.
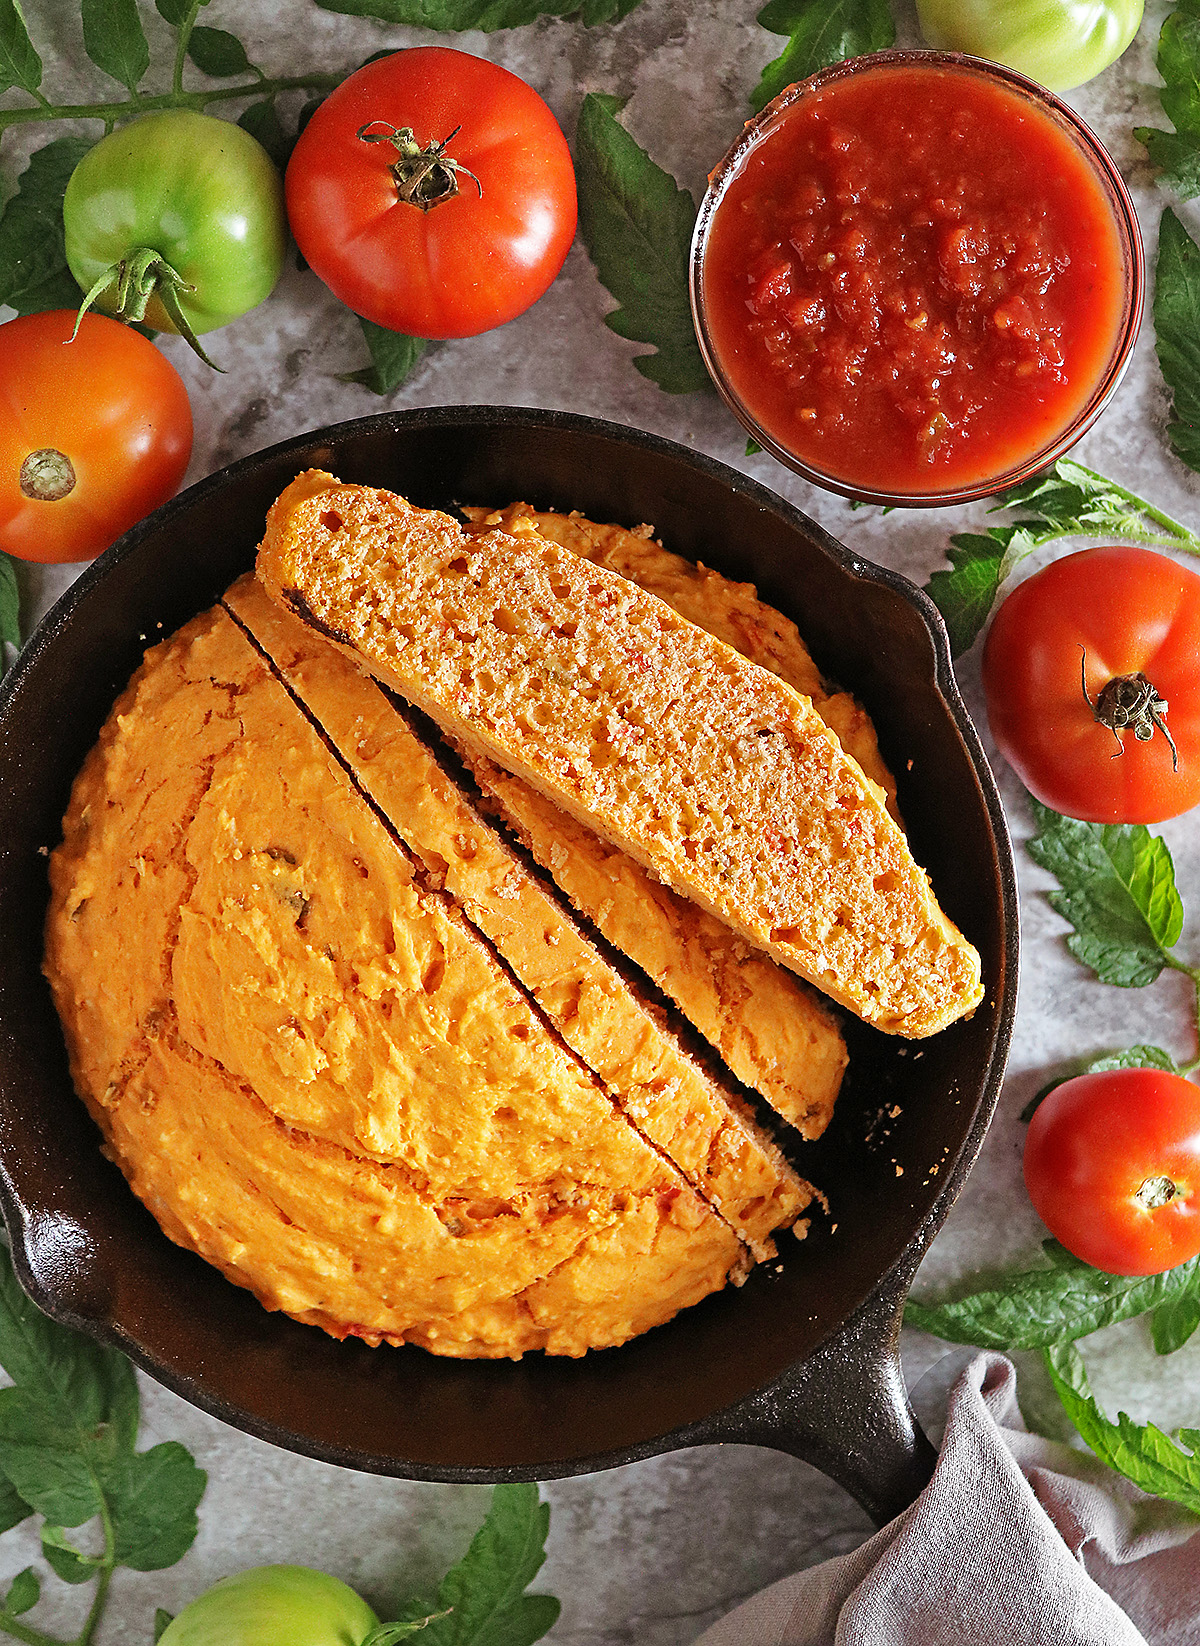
(141, 275)
(24, 1631)
(181, 45)
(139, 104)
(1129, 702)
(1156, 1192)
(100, 1598)
(1192, 972)
(424, 177)
(47, 475)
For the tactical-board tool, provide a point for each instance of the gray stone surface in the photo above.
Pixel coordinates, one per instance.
(653, 1552)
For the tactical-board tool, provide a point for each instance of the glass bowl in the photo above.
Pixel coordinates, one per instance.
(738, 373)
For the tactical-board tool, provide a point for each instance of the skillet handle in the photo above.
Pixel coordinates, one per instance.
(846, 1410)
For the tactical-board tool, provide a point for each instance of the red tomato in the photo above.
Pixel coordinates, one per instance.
(466, 262)
(1103, 615)
(94, 434)
(1112, 1165)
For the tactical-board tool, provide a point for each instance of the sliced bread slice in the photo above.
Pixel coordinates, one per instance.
(731, 611)
(771, 1029)
(711, 772)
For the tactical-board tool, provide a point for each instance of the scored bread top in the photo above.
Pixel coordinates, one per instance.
(710, 771)
(702, 1127)
(313, 1071)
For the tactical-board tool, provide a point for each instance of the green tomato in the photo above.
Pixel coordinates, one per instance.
(273, 1606)
(200, 198)
(1060, 43)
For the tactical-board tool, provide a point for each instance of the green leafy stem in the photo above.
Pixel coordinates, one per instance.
(111, 113)
(1193, 972)
(1118, 892)
(68, 1437)
(26, 1591)
(116, 41)
(1048, 1309)
(1065, 500)
(68, 1434)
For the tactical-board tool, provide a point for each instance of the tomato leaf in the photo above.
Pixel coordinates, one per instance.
(1142, 1453)
(1054, 1305)
(20, 64)
(1177, 153)
(152, 1499)
(1177, 156)
(60, 291)
(13, 1507)
(10, 635)
(1173, 1323)
(637, 226)
(1177, 333)
(820, 32)
(175, 11)
(1065, 500)
(391, 1634)
(488, 15)
(980, 562)
(393, 358)
(48, 1436)
(1177, 274)
(68, 1427)
(483, 1593)
(1133, 1057)
(218, 53)
(415, 1614)
(1118, 891)
(115, 40)
(1178, 62)
(64, 1559)
(31, 232)
(1070, 500)
(966, 594)
(24, 1593)
(262, 121)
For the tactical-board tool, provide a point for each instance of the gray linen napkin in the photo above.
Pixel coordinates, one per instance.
(1016, 1541)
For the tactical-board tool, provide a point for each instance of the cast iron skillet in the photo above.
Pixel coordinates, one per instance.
(803, 1357)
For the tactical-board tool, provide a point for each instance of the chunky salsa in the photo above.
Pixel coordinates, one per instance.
(915, 280)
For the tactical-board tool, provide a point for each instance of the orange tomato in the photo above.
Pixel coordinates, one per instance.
(94, 434)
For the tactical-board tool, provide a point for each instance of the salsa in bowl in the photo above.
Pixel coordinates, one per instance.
(916, 277)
